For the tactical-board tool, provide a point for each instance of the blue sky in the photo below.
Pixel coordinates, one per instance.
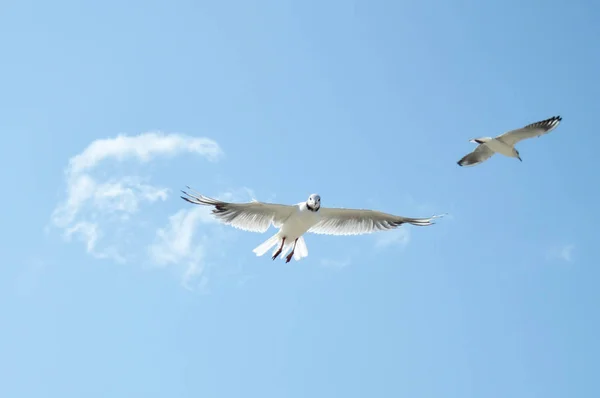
(112, 286)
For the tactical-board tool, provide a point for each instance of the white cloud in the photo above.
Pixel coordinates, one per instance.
(142, 147)
(566, 253)
(561, 252)
(88, 233)
(175, 243)
(95, 202)
(182, 242)
(398, 237)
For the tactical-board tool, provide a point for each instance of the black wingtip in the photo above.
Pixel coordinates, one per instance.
(190, 201)
(556, 118)
(186, 194)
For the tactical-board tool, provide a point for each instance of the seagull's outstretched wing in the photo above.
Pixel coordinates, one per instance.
(253, 216)
(479, 155)
(531, 130)
(339, 221)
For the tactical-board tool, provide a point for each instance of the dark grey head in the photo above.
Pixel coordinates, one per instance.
(313, 203)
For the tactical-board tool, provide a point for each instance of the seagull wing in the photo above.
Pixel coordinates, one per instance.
(339, 221)
(531, 130)
(253, 216)
(479, 155)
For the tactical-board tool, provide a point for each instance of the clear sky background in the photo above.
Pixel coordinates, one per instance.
(112, 286)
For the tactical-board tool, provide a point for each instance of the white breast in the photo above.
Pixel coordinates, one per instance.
(298, 223)
(500, 147)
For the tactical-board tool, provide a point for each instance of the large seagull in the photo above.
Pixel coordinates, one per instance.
(505, 143)
(295, 220)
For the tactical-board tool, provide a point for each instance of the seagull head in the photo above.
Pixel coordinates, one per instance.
(313, 203)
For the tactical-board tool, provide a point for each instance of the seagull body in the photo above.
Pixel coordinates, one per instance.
(505, 143)
(294, 221)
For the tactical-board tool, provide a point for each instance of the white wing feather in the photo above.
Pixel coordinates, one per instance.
(253, 216)
(479, 155)
(340, 221)
(531, 130)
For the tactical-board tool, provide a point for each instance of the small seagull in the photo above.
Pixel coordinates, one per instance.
(505, 143)
(294, 220)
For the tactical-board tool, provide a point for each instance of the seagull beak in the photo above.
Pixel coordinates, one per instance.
(520, 158)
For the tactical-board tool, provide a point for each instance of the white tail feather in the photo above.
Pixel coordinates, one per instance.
(301, 249)
(299, 252)
(266, 245)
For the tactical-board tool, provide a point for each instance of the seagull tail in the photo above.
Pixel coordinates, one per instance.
(266, 245)
(301, 249)
(299, 252)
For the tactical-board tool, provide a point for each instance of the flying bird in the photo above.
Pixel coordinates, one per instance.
(505, 143)
(295, 220)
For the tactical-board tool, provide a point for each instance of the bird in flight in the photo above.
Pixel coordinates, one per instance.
(505, 143)
(295, 220)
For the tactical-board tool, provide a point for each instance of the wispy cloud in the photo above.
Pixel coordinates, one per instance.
(142, 147)
(183, 242)
(177, 243)
(562, 252)
(566, 253)
(96, 200)
(399, 237)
